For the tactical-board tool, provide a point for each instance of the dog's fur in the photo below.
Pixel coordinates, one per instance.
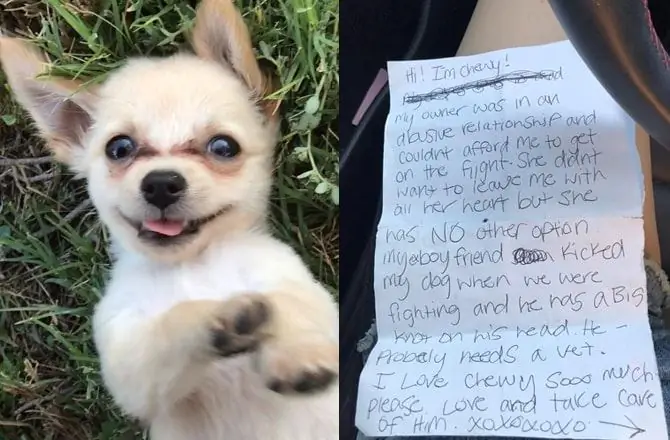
(224, 334)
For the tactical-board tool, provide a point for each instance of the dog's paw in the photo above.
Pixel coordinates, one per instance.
(237, 327)
(300, 366)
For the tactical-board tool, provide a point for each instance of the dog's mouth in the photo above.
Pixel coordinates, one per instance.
(164, 230)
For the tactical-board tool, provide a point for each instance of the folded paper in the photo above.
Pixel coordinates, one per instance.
(509, 281)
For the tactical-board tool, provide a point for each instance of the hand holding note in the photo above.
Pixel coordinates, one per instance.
(509, 285)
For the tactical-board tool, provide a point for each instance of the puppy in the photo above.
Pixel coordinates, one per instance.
(209, 328)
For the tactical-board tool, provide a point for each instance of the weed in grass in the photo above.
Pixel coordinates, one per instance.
(53, 257)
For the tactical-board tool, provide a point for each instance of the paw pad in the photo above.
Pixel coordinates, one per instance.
(251, 318)
(236, 330)
(306, 382)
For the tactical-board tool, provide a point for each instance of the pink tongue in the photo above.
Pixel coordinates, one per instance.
(165, 227)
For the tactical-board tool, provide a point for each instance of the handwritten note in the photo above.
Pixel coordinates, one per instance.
(509, 282)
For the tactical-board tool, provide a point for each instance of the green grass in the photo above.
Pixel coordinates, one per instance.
(53, 257)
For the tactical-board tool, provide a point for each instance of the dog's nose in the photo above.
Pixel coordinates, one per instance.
(163, 188)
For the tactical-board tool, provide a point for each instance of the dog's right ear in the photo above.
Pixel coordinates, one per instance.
(60, 108)
(220, 35)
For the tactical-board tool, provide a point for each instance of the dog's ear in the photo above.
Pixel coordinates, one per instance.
(60, 108)
(221, 35)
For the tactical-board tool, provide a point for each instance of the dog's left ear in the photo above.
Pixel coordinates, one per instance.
(221, 35)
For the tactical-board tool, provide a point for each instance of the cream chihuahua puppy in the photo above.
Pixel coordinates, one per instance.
(209, 329)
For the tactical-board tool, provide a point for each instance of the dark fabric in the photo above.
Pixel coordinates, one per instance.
(660, 157)
(660, 15)
(371, 32)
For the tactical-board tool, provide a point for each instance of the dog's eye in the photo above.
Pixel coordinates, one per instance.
(120, 147)
(223, 147)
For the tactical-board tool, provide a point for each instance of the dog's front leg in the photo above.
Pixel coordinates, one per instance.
(300, 353)
(150, 364)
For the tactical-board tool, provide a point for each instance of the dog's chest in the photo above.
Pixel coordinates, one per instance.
(221, 274)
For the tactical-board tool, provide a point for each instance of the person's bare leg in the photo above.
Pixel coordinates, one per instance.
(498, 24)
